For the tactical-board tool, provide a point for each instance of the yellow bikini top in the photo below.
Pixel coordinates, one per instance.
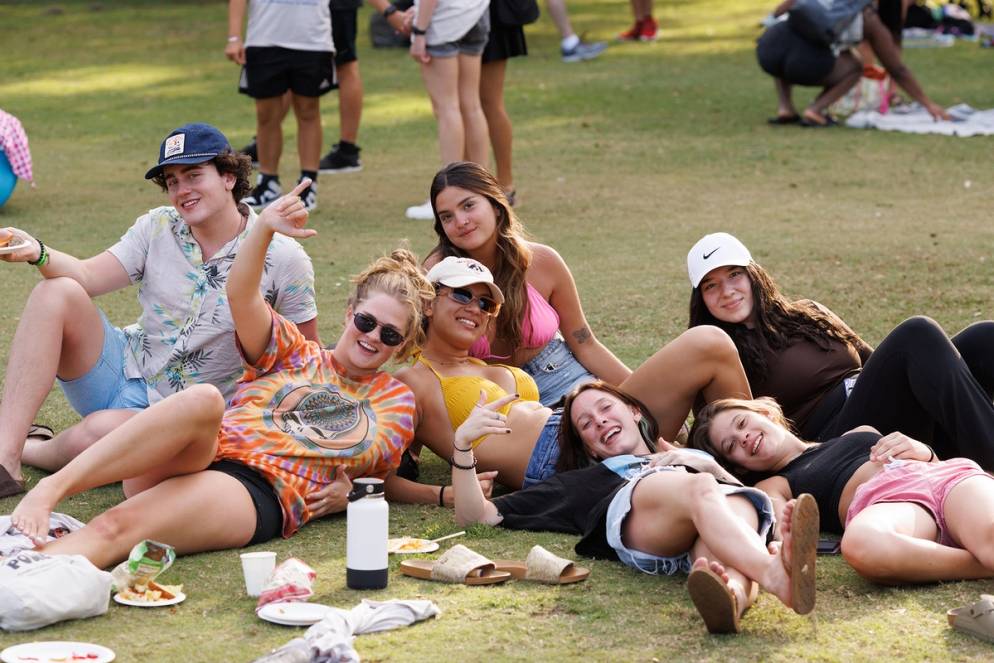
(462, 392)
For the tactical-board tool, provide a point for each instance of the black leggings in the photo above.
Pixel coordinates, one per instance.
(931, 388)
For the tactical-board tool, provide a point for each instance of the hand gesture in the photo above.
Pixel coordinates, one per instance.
(484, 420)
(287, 214)
(332, 498)
(235, 51)
(29, 252)
(401, 22)
(898, 446)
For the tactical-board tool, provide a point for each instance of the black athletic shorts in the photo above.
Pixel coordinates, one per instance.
(268, 512)
(270, 71)
(782, 53)
(343, 32)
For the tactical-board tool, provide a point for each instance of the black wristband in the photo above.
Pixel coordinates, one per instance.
(415, 30)
(931, 456)
(463, 450)
(390, 10)
(42, 255)
(453, 463)
(441, 496)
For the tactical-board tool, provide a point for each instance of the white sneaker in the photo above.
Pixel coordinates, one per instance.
(420, 212)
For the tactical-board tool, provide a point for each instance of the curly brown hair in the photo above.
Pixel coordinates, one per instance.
(236, 163)
(514, 254)
(778, 322)
(572, 453)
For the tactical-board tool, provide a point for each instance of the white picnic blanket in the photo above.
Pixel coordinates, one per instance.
(330, 640)
(914, 119)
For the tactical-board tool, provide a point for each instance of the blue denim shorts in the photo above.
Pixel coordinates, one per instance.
(652, 564)
(556, 371)
(542, 463)
(104, 387)
(471, 43)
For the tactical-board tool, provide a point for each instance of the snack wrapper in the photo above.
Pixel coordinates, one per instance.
(147, 561)
(292, 580)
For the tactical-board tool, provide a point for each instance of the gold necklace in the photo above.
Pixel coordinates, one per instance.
(458, 362)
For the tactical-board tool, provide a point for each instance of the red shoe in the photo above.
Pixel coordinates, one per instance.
(650, 30)
(633, 33)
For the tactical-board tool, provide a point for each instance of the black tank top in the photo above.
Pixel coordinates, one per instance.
(824, 469)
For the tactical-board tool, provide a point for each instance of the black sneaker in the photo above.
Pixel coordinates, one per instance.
(251, 150)
(309, 197)
(263, 193)
(340, 161)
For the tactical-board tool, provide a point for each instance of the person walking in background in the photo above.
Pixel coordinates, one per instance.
(573, 48)
(287, 47)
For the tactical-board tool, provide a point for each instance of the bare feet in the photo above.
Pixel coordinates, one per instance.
(31, 516)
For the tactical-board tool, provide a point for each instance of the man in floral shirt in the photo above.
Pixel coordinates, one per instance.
(179, 257)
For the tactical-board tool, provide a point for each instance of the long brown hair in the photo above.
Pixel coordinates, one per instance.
(399, 276)
(513, 253)
(778, 322)
(572, 454)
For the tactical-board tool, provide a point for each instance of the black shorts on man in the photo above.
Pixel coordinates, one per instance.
(270, 71)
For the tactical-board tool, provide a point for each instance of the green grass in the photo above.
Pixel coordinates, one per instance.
(622, 163)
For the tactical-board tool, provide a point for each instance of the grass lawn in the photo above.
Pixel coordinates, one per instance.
(621, 164)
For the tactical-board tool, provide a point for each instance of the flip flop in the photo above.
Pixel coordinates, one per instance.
(829, 122)
(715, 602)
(9, 486)
(40, 431)
(458, 564)
(542, 566)
(805, 527)
(778, 120)
(976, 620)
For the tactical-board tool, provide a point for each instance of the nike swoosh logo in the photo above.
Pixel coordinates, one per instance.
(708, 255)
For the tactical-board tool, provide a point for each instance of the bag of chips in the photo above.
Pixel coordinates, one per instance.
(147, 561)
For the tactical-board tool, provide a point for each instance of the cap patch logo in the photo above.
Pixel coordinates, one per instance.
(174, 145)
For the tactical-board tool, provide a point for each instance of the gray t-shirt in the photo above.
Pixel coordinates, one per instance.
(302, 25)
(452, 19)
(185, 334)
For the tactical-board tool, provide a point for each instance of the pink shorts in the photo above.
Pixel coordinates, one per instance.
(925, 484)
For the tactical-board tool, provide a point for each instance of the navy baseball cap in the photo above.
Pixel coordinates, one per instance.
(191, 143)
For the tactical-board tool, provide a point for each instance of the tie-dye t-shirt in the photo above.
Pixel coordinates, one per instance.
(295, 417)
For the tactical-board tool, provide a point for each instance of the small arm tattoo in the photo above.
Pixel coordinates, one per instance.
(582, 335)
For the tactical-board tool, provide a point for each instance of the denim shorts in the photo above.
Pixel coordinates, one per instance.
(542, 463)
(105, 387)
(653, 564)
(471, 43)
(556, 371)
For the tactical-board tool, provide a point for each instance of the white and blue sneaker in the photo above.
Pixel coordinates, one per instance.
(583, 51)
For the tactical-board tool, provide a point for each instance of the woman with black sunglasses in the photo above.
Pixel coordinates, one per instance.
(448, 381)
(302, 424)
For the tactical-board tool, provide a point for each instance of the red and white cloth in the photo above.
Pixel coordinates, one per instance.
(14, 143)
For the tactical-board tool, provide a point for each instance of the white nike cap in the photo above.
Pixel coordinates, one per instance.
(459, 272)
(713, 251)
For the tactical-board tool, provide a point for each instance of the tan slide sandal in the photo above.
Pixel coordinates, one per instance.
(458, 564)
(542, 566)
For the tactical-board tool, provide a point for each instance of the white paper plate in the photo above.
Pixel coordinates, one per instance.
(56, 652)
(294, 614)
(410, 546)
(179, 598)
(10, 248)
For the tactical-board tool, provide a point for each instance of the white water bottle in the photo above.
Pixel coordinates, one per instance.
(367, 527)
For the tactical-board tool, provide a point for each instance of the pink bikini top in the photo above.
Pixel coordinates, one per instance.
(539, 326)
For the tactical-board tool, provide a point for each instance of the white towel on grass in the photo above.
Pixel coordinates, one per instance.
(914, 119)
(330, 640)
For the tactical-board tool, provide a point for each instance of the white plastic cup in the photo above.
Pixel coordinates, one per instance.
(257, 567)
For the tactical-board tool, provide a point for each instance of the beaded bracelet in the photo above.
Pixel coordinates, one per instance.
(453, 463)
(42, 255)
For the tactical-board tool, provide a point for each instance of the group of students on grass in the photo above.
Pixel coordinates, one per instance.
(507, 382)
